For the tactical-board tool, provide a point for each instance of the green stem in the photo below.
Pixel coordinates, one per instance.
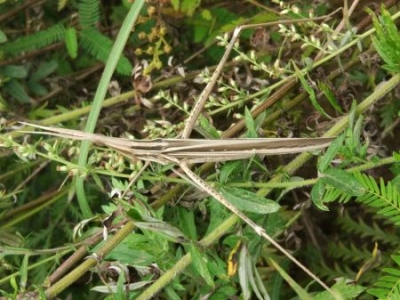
(101, 91)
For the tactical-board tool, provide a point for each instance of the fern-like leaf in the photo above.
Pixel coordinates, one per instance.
(388, 286)
(372, 232)
(99, 46)
(349, 252)
(89, 12)
(384, 197)
(36, 40)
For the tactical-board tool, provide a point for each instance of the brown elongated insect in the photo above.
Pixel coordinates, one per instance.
(193, 150)
(185, 151)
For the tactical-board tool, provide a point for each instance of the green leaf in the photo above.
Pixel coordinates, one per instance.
(326, 159)
(206, 129)
(37, 88)
(36, 40)
(189, 6)
(71, 42)
(302, 293)
(15, 89)
(250, 124)
(343, 181)
(176, 4)
(200, 265)
(330, 96)
(309, 91)
(244, 272)
(15, 71)
(120, 293)
(99, 46)
(342, 289)
(229, 168)
(3, 37)
(387, 40)
(162, 227)
(317, 194)
(206, 14)
(248, 201)
(187, 222)
(44, 70)
(24, 272)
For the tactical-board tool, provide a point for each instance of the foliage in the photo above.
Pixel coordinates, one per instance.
(153, 233)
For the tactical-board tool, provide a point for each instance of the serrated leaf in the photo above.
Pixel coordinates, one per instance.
(200, 265)
(343, 181)
(248, 201)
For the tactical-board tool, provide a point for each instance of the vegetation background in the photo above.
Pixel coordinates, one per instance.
(313, 68)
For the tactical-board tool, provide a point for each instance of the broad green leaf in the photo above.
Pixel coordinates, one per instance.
(248, 201)
(343, 181)
(228, 169)
(200, 265)
(187, 222)
(342, 289)
(132, 251)
(162, 227)
(317, 194)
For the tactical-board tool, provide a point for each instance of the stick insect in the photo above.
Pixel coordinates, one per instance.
(185, 151)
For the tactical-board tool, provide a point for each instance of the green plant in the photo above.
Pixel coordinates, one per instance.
(139, 230)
